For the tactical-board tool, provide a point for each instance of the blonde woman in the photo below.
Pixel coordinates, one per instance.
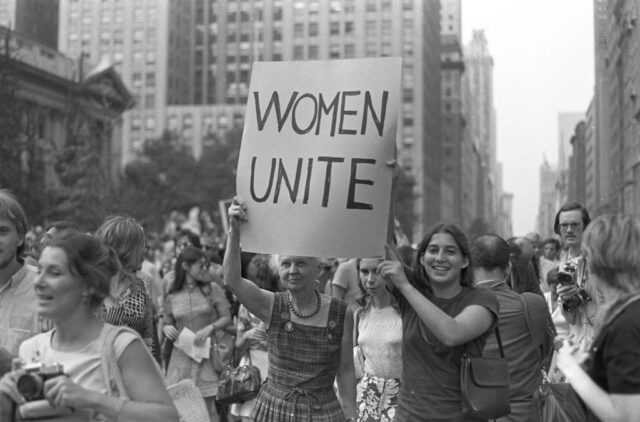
(607, 376)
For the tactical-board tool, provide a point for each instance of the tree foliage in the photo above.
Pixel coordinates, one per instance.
(167, 177)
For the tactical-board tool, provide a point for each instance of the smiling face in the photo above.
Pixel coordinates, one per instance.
(58, 291)
(443, 261)
(298, 272)
(571, 228)
(371, 280)
(199, 270)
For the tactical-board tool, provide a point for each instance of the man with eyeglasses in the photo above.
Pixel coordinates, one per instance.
(577, 294)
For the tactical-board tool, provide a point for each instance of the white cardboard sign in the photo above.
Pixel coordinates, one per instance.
(313, 166)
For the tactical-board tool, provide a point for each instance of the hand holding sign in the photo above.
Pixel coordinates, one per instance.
(393, 270)
(237, 213)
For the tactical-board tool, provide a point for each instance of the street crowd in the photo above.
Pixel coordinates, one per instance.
(92, 322)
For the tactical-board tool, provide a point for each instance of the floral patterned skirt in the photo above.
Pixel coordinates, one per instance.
(377, 398)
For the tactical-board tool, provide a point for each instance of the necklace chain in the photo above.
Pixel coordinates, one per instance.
(300, 315)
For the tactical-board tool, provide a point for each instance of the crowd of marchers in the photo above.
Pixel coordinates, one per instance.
(92, 326)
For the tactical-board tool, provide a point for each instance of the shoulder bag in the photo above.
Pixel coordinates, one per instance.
(239, 384)
(484, 384)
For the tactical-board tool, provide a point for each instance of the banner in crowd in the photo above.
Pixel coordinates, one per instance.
(314, 161)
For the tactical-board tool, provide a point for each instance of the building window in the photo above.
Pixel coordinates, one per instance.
(137, 80)
(313, 52)
(348, 27)
(334, 28)
(151, 79)
(149, 101)
(349, 51)
(334, 51)
(298, 29)
(313, 29)
(298, 52)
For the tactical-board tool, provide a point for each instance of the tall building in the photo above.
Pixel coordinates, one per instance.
(577, 165)
(548, 204)
(33, 19)
(481, 125)
(149, 41)
(591, 158)
(459, 153)
(622, 103)
(567, 123)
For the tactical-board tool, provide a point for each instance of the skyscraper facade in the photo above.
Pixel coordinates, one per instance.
(548, 205)
(33, 19)
(481, 127)
(149, 41)
(567, 122)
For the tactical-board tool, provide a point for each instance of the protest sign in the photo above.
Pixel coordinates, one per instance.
(313, 166)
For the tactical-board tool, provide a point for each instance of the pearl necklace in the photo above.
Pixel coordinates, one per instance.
(298, 314)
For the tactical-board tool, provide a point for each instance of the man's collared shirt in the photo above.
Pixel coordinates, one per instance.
(19, 319)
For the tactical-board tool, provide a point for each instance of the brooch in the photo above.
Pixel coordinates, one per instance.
(288, 326)
(332, 324)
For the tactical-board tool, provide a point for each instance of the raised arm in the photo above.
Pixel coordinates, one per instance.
(451, 331)
(257, 301)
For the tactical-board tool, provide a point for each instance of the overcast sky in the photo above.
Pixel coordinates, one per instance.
(543, 65)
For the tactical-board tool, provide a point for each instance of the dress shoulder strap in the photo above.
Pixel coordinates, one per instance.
(109, 362)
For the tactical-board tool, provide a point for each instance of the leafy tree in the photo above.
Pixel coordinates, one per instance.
(167, 177)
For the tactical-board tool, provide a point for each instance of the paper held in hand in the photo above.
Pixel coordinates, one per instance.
(186, 343)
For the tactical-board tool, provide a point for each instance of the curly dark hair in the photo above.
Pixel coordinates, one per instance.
(466, 275)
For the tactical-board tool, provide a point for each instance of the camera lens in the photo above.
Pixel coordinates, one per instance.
(29, 386)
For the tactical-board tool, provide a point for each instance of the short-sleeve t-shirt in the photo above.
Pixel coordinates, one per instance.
(430, 387)
(615, 361)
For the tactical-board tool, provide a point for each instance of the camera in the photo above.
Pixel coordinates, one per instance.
(567, 277)
(567, 274)
(31, 383)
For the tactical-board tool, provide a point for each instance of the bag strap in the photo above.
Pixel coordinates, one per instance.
(496, 330)
(356, 322)
(110, 369)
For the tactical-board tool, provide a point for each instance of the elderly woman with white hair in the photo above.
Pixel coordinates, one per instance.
(607, 376)
(309, 337)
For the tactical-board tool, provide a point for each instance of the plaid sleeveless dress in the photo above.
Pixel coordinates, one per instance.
(303, 361)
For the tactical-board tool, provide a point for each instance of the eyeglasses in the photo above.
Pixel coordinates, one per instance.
(574, 226)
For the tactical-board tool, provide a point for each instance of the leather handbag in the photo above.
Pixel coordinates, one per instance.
(239, 384)
(484, 384)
